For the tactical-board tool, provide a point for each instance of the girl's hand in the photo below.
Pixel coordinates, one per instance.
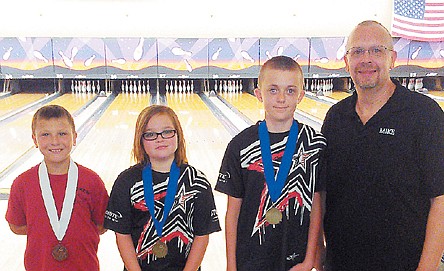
(302, 267)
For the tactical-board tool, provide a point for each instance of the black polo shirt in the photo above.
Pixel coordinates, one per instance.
(379, 180)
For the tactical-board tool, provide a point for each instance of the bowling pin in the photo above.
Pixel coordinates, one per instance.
(138, 52)
(411, 84)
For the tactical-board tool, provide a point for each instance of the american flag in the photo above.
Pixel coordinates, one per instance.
(421, 20)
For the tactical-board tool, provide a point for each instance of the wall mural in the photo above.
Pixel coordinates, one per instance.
(79, 57)
(182, 58)
(126, 57)
(26, 57)
(123, 58)
(297, 48)
(233, 57)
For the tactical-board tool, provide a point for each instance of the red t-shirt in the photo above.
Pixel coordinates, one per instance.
(26, 207)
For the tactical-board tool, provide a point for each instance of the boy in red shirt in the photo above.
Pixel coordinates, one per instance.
(58, 204)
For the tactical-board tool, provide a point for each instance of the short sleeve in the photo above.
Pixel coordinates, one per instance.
(118, 212)
(15, 214)
(230, 174)
(206, 219)
(100, 201)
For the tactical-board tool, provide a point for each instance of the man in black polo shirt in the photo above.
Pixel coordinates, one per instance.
(383, 167)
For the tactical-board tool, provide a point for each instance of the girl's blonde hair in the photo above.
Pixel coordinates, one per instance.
(138, 154)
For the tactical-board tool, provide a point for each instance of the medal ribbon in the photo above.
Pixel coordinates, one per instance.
(147, 177)
(59, 226)
(275, 185)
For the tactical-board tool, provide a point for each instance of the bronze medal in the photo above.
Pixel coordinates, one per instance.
(160, 249)
(60, 252)
(273, 216)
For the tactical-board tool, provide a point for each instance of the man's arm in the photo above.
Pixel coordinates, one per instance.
(231, 218)
(434, 240)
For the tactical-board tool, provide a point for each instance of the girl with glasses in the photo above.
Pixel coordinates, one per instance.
(161, 209)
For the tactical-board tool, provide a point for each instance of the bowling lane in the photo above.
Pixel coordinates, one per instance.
(338, 95)
(314, 108)
(246, 103)
(13, 102)
(107, 147)
(202, 129)
(16, 135)
(206, 140)
(253, 109)
(438, 94)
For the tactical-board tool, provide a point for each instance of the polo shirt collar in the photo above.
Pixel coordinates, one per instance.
(394, 103)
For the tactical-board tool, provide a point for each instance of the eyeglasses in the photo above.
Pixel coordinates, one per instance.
(166, 134)
(375, 51)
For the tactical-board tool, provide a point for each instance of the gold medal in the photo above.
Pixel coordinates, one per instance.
(160, 249)
(59, 252)
(273, 216)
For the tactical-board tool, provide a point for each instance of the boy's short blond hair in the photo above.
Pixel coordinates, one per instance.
(283, 63)
(52, 111)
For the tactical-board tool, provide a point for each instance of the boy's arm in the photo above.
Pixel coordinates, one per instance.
(321, 249)
(20, 230)
(313, 235)
(231, 219)
(101, 229)
(434, 240)
(127, 252)
(197, 252)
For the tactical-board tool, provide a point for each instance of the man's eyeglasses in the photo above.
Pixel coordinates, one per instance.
(150, 136)
(375, 51)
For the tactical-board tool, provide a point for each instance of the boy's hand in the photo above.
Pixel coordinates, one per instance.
(20, 230)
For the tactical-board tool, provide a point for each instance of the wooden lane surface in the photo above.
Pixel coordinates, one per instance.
(16, 135)
(441, 104)
(206, 141)
(106, 149)
(247, 104)
(338, 95)
(202, 130)
(17, 101)
(253, 109)
(314, 108)
(436, 93)
(439, 94)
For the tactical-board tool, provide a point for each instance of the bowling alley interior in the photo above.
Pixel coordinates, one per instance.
(105, 61)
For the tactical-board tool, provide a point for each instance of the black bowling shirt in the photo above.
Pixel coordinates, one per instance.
(379, 180)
